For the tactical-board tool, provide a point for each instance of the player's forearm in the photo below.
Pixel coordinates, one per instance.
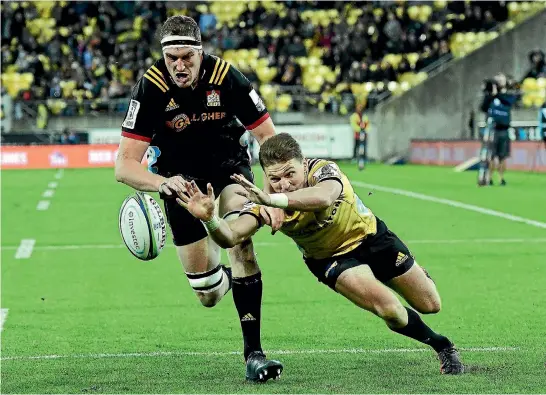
(306, 199)
(132, 173)
(224, 235)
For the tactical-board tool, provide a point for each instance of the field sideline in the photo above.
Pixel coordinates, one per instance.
(80, 314)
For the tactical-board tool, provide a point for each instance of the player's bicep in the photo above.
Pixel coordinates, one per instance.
(131, 149)
(264, 131)
(331, 188)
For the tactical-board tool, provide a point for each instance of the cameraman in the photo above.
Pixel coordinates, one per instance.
(497, 104)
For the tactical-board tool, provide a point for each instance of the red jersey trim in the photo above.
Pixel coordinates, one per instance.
(261, 120)
(136, 136)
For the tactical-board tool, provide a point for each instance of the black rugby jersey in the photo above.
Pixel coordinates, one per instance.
(194, 132)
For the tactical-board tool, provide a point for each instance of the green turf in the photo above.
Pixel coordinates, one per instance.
(96, 307)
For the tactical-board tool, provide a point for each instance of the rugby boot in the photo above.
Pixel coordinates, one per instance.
(259, 369)
(450, 361)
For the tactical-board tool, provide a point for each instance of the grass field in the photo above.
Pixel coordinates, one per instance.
(84, 316)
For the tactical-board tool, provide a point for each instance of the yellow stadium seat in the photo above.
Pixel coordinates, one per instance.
(413, 12)
(254, 53)
(541, 83)
(412, 58)
(529, 85)
(341, 87)
(527, 101)
(284, 102)
(56, 105)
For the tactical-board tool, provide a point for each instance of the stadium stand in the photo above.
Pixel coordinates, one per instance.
(69, 58)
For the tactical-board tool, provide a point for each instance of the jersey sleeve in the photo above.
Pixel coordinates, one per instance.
(323, 170)
(252, 209)
(144, 115)
(247, 105)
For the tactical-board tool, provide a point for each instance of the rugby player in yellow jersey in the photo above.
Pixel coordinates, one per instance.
(343, 243)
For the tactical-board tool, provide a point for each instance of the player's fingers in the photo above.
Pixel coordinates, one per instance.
(185, 198)
(265, 216)
(244, 194)
(210, 191)
(195, 187)
(188, 189)
(165, 189)
(180, 202)
(179, 186)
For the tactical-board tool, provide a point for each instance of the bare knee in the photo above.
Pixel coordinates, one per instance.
(431, 305)
(394, 314)
(209, 299)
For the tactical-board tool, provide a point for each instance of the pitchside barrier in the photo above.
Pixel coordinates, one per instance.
(320, 141)
(525, 155)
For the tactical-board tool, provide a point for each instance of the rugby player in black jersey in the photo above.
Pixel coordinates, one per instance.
(343, 243)
(188, 113)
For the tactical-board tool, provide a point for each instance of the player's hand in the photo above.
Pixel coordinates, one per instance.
(251, 192)
(172, 186)
(199, 205)
(273, 217)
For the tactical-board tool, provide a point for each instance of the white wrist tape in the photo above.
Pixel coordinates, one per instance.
(279, 200)
(212, 224)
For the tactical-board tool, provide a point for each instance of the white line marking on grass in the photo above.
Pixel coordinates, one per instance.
(228, 353)
(53, 184)
(273, 244)
(3, 318)
(59, 174)
(48, 193)
(452, 203)
(24, 251)
(42, 205)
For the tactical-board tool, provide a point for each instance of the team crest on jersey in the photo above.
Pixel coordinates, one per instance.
(179, 123)
(326, 171)
(213, 98)
(171, 106)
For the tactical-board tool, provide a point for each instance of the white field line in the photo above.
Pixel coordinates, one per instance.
(24, 250)
(42, 205)
(59, 174)
(3, 318)
(452, 203)
(273, 244)
(228, 353)
(53, 184)
(48, 193)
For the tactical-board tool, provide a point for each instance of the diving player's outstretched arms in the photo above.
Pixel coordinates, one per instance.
(316, 198)
(202, 207)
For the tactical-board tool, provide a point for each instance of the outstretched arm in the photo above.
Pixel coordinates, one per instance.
(225, 234)
(316, 198)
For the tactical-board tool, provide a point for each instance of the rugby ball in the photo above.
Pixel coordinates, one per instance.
(142, 226)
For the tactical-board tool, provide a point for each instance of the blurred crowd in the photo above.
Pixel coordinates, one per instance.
(97, 50)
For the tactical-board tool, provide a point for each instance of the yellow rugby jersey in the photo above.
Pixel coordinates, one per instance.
(334, 231)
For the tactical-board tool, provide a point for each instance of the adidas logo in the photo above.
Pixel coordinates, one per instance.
(401, 258)
(248, 317)
(172, 106)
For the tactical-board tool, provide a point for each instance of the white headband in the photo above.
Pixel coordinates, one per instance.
(180, 42)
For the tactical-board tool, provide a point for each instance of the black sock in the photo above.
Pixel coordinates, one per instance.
(247, 295)
(418, 330)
